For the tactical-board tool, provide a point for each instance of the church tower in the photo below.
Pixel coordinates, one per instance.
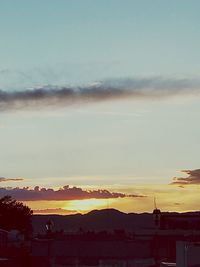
(156, 215)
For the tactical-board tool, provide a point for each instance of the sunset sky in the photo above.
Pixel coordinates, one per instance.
(99, 104)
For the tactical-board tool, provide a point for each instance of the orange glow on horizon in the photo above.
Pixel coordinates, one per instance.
(86, 205)
(169, 198)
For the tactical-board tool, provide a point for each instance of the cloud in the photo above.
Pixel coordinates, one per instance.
(177, 204)
(64, 193)
(192, 178)
(3, 179)
(145, 88)
(55, 211)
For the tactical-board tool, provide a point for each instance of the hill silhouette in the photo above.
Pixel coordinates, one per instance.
(105, 219)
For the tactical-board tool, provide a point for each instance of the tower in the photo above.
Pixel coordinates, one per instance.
(156, 215)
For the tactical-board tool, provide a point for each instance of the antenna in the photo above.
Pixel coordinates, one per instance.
(108, 205)
(155, 206)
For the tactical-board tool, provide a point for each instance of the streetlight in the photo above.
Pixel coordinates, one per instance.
(49, 227)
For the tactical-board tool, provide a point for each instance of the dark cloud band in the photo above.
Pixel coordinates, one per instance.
(108, 90)
(65, 193)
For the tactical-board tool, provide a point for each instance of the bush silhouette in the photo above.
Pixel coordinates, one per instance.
(15, 215)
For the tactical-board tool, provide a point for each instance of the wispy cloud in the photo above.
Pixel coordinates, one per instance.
(55, 211)
(145, 88)
(3, 179)
(64, 193)
(192, 178)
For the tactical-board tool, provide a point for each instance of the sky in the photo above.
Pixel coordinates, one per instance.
(99, 104)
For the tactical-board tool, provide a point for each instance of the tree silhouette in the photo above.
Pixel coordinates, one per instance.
(15, 215)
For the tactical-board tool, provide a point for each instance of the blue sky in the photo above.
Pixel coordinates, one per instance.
(77, 41)
(123, 142)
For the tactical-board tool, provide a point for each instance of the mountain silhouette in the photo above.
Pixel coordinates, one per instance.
(105, 219)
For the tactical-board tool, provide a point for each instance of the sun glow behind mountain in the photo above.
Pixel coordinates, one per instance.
(86, 205)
